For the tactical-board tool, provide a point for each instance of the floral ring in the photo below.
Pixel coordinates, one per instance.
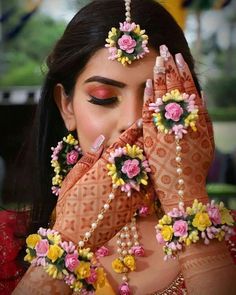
(174, 112)
(128, 168)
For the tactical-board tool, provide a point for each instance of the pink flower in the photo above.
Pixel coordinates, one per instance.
(113, 53)
(102, 251)
(42, 248)
(72, 157)
(179, 130)
(56, 190)
(127, 27)
(127, 44)
(131, 168)
(214, 215)
(124, 289)
(93, 276)
(173, 111)
(137, 251)
(71, 261)
(159, 238)
(143, 211)
(180, 228)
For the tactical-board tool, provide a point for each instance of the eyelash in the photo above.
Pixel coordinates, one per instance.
(103, 102)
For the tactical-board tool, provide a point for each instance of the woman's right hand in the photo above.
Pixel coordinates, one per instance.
(85, 190)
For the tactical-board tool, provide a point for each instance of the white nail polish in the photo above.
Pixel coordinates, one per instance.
(160, 65)
(164, 52)
(97, 143)
(139, 123)
(149, 83)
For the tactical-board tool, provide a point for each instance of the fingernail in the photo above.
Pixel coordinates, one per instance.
(97, 143)
(180, 60)
(164, 52)
(160, 65)
(148, 89)
(149, 83)
(139, 123)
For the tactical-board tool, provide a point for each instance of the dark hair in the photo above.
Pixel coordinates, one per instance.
(84, 35)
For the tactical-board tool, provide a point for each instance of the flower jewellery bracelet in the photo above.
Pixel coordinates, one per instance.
(78, 266)
(174, 113)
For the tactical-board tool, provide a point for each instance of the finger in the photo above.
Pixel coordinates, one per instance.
(173, 80)
(148, 101)
(190, 88)
(83, 165)
(159, 77)
(130, 136)
(186, 78)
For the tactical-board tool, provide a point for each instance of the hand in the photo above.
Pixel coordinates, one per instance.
(160, 148)
(86, 189)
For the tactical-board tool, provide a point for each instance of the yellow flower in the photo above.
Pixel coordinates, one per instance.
(220, 235)
(201, 221)
(143, 180)
(32, 240)
(167, 232)
(54, 238)
(173, 95)
(166, 219)
(85, 252)
(101, 277)
(28, 256)
(53, 271)
(193, 237)
(54, 252)
(57, 179)
(118, 266)
(70, 139)
(134, 151)
(137, 29)
(77, 286)
(130, 262)
(83, 270)
(226, 217)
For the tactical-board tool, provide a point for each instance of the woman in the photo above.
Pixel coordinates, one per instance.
(90, 92)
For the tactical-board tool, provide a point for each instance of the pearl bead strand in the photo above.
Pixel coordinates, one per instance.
(127, 11)
(179, 170)
(100, 217)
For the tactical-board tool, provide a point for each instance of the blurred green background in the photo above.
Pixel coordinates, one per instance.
(29, 30)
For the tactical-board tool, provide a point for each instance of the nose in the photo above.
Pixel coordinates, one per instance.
(130, 112)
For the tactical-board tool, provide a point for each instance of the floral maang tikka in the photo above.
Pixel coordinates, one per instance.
(127, 43)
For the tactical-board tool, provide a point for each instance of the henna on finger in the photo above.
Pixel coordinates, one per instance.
(173, 80)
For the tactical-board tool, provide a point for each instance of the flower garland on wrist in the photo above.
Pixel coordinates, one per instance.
(64, 260)
(180, 227)
(65, 155)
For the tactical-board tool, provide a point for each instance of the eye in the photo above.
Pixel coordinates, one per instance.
(103, 101)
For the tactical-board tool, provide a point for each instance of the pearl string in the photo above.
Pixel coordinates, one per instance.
(100, 217)
(179, 170)
(125, 243)
(127, 11)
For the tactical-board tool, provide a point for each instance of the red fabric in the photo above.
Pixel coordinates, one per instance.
(11, 223)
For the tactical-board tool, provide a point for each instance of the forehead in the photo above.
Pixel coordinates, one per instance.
(138, 72)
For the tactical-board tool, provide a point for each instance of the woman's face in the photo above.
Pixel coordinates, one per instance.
(108, 97)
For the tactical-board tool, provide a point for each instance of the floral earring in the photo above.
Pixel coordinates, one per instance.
(65, 155)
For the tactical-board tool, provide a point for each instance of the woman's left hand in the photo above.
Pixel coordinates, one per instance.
(160, 148)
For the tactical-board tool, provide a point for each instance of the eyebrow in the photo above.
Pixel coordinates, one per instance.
(107, 81)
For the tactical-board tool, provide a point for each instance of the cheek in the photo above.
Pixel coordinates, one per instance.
(92, 122)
